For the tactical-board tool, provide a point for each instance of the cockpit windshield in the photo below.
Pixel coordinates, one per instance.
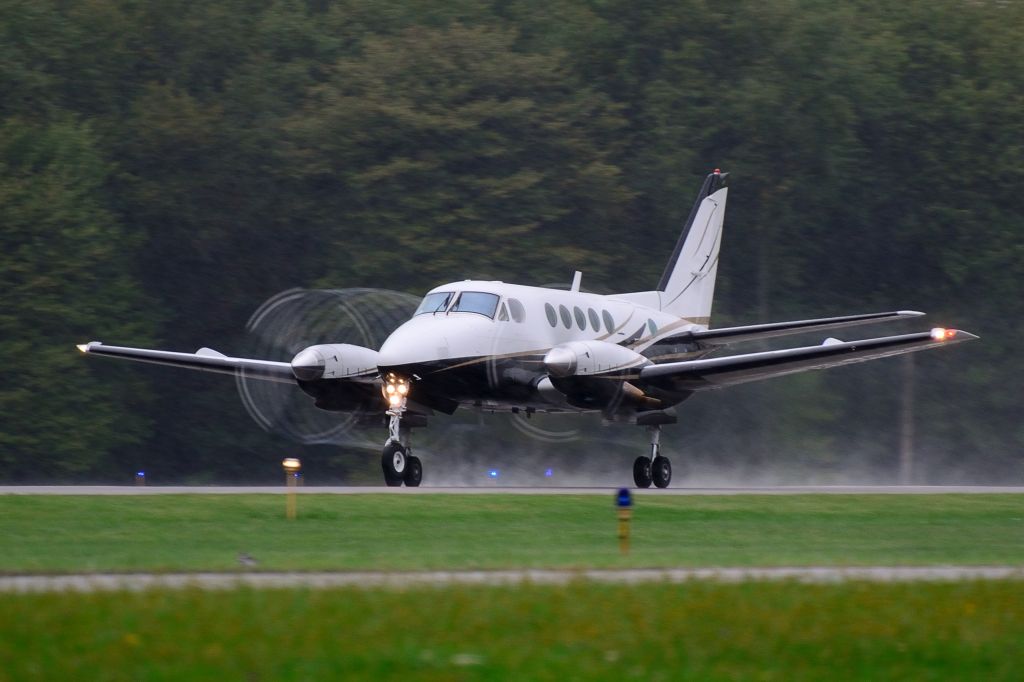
(465, 302)
(436, 302)
(476, 302)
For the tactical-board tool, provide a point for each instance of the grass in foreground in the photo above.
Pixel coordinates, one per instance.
(705, 631)
(406, 532)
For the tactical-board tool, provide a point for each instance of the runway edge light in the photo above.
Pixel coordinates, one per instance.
(291, 466)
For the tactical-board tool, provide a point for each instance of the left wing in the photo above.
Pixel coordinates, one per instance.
(697, 375)
(723, 336)
(204, 359)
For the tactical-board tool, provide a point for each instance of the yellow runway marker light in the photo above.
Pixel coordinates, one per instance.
(291, 467)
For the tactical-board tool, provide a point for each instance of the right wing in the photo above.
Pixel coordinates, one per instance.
(697, 375)
(204, 359)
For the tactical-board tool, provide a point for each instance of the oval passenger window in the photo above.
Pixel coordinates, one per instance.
(566, 317)
(609, 323)
(581, 320)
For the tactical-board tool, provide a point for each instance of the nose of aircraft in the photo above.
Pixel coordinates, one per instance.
(416, 341)
(308, 365)
(401, 348)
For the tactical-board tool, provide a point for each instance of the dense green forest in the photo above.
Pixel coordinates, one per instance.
(166, 167)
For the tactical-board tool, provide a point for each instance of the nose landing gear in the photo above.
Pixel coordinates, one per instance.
(656, 469)
(397, 461)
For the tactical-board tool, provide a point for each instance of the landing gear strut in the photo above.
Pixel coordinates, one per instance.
(397, 461)
(656, 469)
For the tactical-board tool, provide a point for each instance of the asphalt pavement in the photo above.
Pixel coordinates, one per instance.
(95, 582)
(507, 490)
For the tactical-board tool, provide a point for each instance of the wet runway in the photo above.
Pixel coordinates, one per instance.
(492, 490)
(400, 580)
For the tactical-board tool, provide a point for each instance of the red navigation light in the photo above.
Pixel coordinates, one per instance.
(718, 171)
(942, 334)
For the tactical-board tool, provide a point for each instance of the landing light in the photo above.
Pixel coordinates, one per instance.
(391, 388)
(84, 347)
(394, 400)
(941, 334)
(403, 388)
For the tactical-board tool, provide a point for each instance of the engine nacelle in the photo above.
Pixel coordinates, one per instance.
(592, 358)
(333, 361)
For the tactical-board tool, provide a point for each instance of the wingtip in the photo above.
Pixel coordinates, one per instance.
(910, 313)
(944, 334)
(86, 347)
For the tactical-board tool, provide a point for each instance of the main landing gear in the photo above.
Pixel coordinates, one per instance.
(654, 469)
(399, 464)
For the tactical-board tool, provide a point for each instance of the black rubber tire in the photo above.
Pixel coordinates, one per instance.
(661, 471)
(413, 471)
(642, 472)
(394, 466)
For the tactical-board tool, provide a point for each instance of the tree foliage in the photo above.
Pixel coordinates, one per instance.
(165, 167)
(425, 141)
(65, 270)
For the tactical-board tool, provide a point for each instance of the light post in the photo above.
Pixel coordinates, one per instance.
(291, 471)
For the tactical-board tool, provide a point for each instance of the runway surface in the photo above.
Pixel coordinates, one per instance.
(494, 490)
(222, 581)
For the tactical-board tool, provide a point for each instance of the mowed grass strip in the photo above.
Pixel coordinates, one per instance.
(411, 532)
(699, 631)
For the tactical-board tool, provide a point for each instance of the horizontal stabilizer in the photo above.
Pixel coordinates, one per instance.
(756, 332)
(696, 375)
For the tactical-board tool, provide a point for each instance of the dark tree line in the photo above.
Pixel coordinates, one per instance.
(165, 167)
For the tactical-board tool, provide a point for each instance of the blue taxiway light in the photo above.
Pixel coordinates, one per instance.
(549, 473)
(624, 499)
(493, 473)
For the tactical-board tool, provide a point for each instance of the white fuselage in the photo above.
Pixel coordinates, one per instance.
(495, 360)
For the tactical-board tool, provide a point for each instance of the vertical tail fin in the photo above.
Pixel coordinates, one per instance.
(688, 284)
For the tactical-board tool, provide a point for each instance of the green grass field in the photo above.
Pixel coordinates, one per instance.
(408, 532)
(696, 631)
(699, 630)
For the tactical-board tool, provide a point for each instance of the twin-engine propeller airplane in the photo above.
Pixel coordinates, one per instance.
(503, 347)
